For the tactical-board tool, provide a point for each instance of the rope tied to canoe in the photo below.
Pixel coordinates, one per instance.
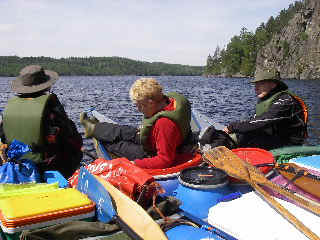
(168, 221)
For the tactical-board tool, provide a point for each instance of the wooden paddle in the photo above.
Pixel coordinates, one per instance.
(301, 178)
(133, 215)
(223, 158)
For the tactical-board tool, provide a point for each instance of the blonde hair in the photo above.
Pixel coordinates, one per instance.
(146, 88)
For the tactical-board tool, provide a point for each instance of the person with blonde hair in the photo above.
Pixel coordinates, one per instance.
(161, 140)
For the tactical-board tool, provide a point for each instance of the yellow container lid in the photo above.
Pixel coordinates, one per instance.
(42, 203)
(12, 190)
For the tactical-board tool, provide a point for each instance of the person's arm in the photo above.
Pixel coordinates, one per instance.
(279, 110)
(58, 118)
(1, 130)
(166, 137)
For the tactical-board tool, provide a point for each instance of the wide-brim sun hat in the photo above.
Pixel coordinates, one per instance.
(33, 78)
(268, 75)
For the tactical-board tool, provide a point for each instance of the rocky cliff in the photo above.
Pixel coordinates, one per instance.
(295, 51)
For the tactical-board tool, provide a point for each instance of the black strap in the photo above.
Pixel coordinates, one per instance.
(296, 176)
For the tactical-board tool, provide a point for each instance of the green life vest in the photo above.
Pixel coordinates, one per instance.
(23, 120)
(181, 116)
(264, 106)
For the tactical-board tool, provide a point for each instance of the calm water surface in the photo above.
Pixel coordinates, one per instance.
(223, 99)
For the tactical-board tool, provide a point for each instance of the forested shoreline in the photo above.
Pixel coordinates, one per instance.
(237, 59)
(87, 66)
(239, 56)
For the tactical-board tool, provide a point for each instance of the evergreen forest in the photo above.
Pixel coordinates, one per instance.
(86, 66)
(239, 56)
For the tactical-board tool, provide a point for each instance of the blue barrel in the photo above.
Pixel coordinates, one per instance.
(241, 187)
(169, 185)
(200, 188)
(187, 232)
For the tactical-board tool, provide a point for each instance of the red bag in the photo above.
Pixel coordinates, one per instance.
(123, 174)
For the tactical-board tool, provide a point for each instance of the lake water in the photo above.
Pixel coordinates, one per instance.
(223, 99)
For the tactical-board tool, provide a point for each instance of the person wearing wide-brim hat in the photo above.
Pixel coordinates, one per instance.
(280, 118)
(37, 118)
(33, 79)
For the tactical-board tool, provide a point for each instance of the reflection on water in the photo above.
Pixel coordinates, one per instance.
(222, 99)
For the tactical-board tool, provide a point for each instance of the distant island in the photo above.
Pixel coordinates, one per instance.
(97, 66)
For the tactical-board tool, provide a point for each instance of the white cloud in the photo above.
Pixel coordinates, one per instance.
(4, 28)
(168, 31)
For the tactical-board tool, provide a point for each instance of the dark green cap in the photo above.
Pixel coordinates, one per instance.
(263, 75)
(268, 75)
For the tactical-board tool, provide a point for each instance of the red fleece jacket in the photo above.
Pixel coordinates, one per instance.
(165, 137)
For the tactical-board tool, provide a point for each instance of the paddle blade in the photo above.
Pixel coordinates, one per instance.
(89, 185)
(133, 215)
(221, 157)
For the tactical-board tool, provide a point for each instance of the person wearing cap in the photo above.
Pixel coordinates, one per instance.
(37, 118)
(280, 118)
(164, 138)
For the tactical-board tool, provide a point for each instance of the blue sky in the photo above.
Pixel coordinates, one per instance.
(182, 32)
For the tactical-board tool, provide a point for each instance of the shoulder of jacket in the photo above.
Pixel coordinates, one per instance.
(283, 98)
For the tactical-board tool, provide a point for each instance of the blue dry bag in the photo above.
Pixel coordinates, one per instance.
(18, 170)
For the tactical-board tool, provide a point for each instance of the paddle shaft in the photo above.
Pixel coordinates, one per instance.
(306, 204)
(226, 160)
(285, 213)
